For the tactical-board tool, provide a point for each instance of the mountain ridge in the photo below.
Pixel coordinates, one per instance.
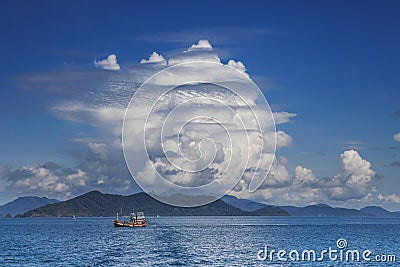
(379, 211)
(324, 210)
(95, 203)
(243, 204)
(319, 209)
(24, 204)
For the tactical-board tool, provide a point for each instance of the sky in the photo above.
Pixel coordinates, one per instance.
(327, 69)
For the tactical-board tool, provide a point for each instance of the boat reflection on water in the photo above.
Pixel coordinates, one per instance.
(136, 219)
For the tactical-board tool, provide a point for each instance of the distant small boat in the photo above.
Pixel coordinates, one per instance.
(73, 217)
(136, 219)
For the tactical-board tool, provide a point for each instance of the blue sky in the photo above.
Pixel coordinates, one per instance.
(333, 63)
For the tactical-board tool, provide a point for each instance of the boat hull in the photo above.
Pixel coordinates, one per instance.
(118, 223)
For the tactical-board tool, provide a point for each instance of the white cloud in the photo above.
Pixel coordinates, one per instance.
(229, 122)
(283, 117)
(103, 165)
(279, 175)
(154, 58)
(99, 149)
(397, 137)
(106, 110)
(100, 167)
(198, 52)
(278, 138)
(355, 168)
(110, 63)
(353, 183)
(78, 178)
(283, 139)
(40, 179)
(392, 198)
(239, 66)
(304, 175)
(104, 107)
(96, 171)
(201, 45)
(105, 116)
(283, 189)
(355, 179)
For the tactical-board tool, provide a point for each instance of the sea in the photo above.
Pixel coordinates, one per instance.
(201, 241)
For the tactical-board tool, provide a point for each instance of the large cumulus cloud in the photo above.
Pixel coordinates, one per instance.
(100, 98)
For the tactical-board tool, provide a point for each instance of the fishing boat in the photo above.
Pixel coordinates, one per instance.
(136, 219)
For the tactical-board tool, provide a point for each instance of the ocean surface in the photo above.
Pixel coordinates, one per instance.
(200, 241)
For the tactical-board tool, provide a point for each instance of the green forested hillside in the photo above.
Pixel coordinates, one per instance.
(96, 203)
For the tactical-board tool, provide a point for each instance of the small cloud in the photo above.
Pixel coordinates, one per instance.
(201, 45)
(202, 51)
(397, 137)
(304, 175)
(238, 65)
(154, 58)
(283, 117)
(110, 63)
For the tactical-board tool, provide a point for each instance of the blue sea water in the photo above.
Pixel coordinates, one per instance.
(195, 241)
